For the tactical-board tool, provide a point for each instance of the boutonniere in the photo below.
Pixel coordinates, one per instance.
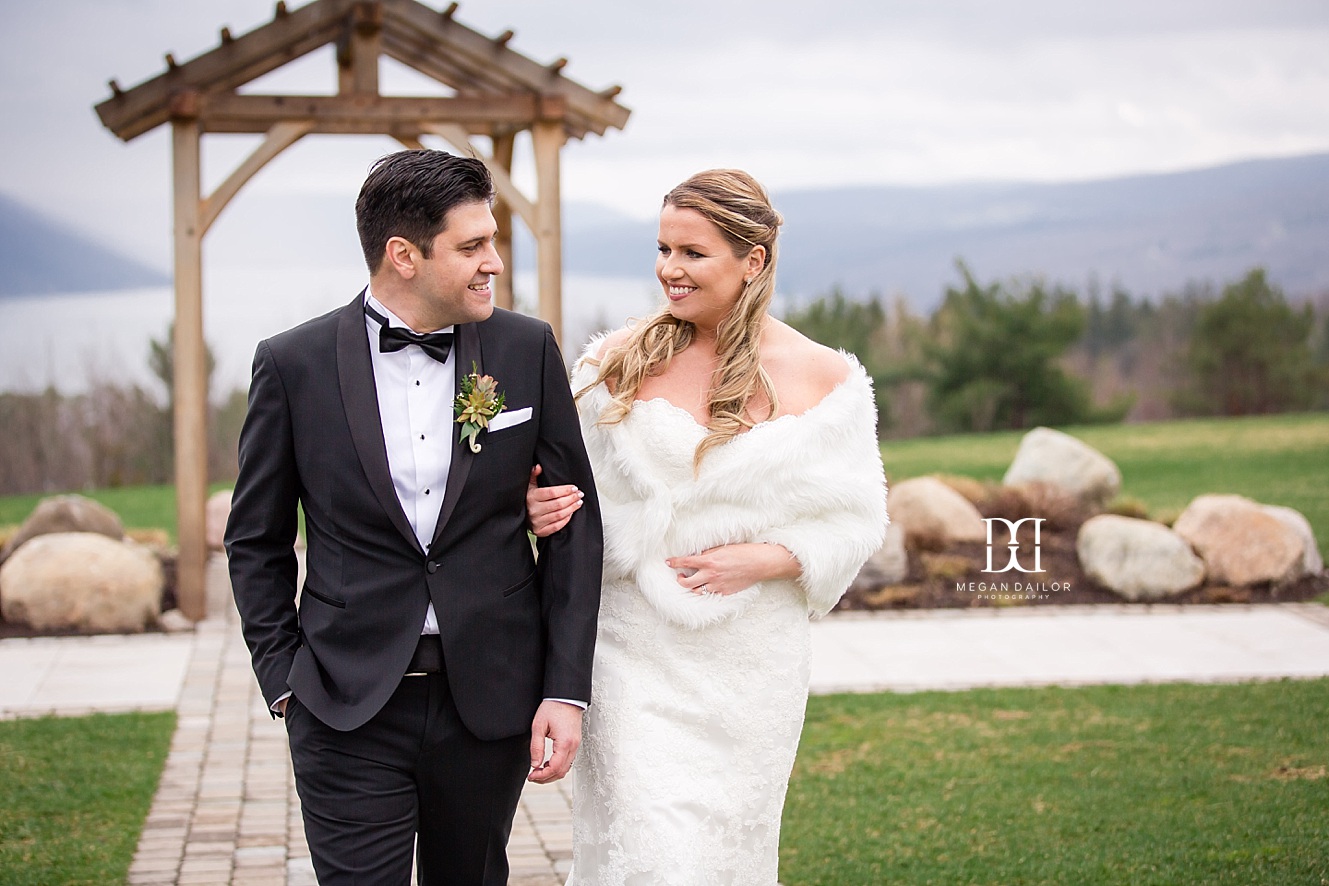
(479, 401)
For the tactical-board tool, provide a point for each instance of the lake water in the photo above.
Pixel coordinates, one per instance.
(72, 340)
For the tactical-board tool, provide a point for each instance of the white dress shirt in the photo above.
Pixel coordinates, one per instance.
(415, 394)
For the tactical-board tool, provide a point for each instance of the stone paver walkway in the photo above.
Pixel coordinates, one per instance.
(226, 811)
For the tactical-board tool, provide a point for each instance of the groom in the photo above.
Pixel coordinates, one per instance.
(431, 654)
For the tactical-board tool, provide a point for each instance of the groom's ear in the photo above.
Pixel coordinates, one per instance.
(402, 256)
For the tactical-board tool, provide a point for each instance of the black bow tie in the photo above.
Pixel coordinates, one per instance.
(394, 338)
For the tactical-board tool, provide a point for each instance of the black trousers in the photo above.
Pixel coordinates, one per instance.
(414, 768)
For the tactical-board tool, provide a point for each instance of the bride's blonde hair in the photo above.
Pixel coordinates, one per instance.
(739, 206)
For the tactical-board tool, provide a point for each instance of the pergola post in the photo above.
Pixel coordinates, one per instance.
(190, 383)
(548, 136)
(503, 292)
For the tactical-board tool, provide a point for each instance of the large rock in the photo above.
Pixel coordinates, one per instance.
(888, 566)
(1060, 460)
(218, 512)
(66, 513)
(1138, 559)
(1311, 561)
(932, 514)
(1240, 543)
(81, 581)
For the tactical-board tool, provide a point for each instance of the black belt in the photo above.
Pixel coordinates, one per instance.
(428, 657)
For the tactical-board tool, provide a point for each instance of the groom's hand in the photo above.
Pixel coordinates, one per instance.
(561, 723)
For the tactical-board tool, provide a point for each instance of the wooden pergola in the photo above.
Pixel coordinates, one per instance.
(496, 93)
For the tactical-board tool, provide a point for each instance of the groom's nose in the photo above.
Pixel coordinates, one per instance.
(493, 263)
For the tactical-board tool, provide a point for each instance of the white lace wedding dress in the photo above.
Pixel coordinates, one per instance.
(697, 702)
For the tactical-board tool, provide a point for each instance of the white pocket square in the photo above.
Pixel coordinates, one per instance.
(508, 419)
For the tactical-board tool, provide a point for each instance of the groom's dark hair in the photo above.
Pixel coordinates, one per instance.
(408, 194)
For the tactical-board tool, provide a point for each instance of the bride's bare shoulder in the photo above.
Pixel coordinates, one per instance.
(615, 339)
(790, 354)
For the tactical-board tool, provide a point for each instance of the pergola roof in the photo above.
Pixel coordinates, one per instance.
(497, 90)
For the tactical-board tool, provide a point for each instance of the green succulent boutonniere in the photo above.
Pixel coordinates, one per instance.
(479, 401)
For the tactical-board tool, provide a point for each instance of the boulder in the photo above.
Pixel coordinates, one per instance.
(932, 514)
(1311, 561)
(1138, 559)
(1240, 543)
(81, 581)
(65, 513)
(1060, 460)
(218, 512)
(888, 566)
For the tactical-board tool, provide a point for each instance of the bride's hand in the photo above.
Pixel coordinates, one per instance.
(549, 508)
(728, 569)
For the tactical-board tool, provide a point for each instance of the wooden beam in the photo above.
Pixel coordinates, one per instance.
(515, 199)
(190, 390)
(419, 53)
(266, 48)
(504, 295)
(470, 82)
(280, 137)
(363, 41)
(548, 137)
(359, 113)
(479, 51)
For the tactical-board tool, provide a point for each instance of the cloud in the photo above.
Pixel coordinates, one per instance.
(837, 92)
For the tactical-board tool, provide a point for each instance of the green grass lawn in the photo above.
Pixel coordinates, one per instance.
(139, 507)
(1105, 785)
(1282, 459)
(75, 793)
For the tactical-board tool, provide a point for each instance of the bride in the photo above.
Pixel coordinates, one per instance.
(741, 487)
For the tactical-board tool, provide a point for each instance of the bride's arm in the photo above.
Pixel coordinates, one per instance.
(728, 569)
(549, 508)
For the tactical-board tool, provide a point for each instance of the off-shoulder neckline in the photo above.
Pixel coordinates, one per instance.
(855, 371)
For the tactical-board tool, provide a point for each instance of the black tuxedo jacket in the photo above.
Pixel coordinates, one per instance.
(514, 631)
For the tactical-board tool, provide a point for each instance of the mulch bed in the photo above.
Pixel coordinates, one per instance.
(953, 578)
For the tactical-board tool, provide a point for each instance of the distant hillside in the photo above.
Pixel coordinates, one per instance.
(1151, 234)
(39, 255)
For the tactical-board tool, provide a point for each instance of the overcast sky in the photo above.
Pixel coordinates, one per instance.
(802, 94)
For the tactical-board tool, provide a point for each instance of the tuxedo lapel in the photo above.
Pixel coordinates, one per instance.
(466, 345)
(359, 398)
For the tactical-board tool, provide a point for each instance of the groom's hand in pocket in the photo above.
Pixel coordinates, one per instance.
(560, 722)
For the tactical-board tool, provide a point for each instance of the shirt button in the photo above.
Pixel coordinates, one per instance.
(426, 492)
(431, 567)
(417, 382)
(422, 436)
